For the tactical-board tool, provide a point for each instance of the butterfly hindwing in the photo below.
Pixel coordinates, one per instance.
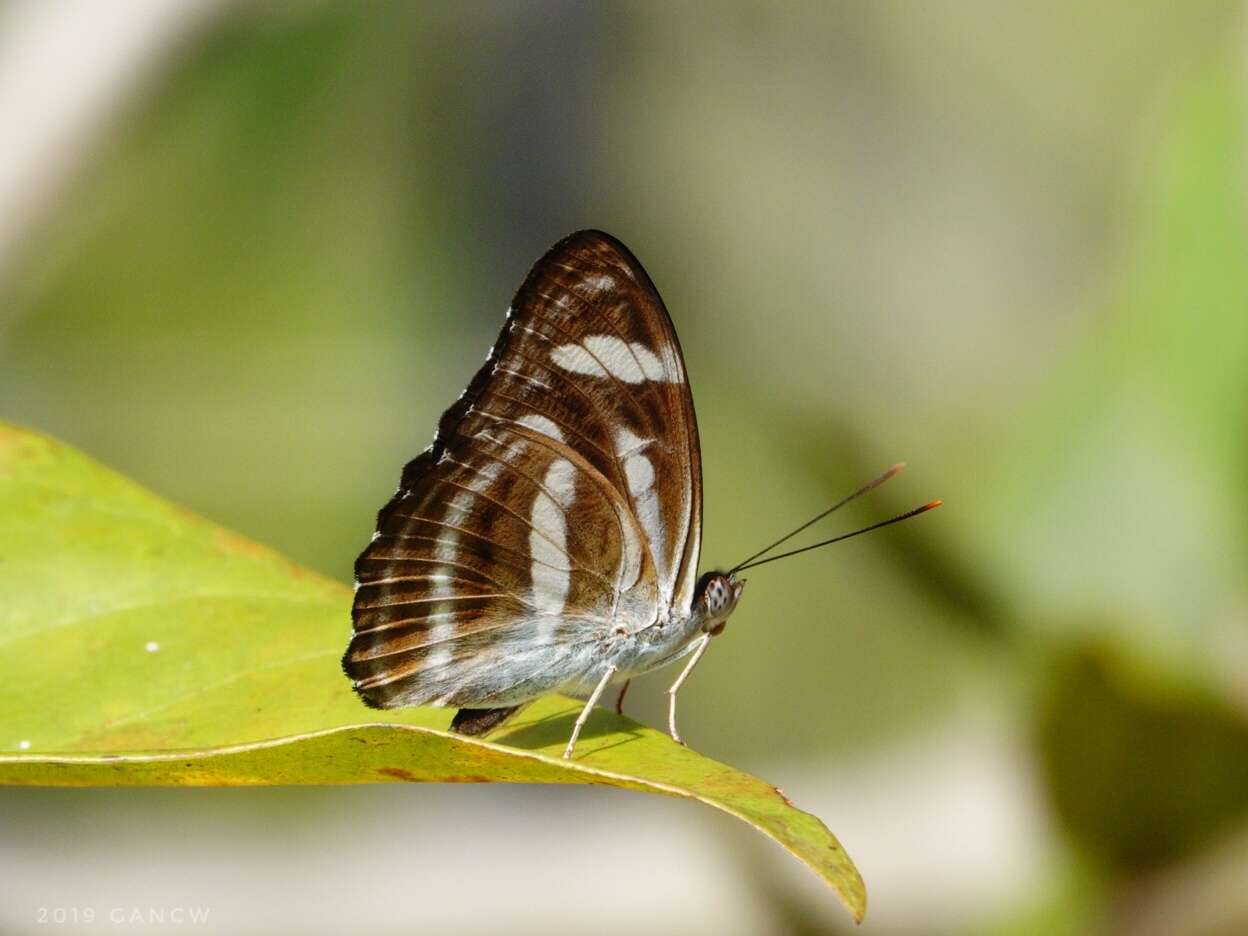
(561, 498)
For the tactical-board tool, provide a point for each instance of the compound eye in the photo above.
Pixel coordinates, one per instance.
(718, 596)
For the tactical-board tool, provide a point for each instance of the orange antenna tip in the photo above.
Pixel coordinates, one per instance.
(888, 474)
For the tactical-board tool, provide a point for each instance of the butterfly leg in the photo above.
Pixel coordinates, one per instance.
(589, 707)
(619, 700)
(680, 681)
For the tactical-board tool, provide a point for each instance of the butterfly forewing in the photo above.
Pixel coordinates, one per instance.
(560, 499)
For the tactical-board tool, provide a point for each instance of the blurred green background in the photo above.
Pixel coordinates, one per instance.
(1003, 242)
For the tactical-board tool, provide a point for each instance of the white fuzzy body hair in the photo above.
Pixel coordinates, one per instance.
(519, 669)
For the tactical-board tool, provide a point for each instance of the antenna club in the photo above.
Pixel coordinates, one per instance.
(890, 472)
(933, 505)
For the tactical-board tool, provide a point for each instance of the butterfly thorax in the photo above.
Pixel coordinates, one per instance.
(671, 638)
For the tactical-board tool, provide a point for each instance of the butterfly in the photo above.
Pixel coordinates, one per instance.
(548, 538)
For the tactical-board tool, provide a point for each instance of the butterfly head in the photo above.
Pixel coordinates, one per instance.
(716, 598)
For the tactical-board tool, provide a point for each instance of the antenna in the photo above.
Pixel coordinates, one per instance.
(844, 536)
(865, 489)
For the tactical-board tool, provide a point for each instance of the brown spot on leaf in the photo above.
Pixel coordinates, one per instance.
(398, 773)
(233, 543)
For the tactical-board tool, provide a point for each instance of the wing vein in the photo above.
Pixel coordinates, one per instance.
(508, 509)
(623, 387)
(459, 529)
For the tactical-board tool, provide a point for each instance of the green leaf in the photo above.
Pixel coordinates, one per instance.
(142, 645)
(1145, 767)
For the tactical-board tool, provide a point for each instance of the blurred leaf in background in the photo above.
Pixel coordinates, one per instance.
(1144, 769)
